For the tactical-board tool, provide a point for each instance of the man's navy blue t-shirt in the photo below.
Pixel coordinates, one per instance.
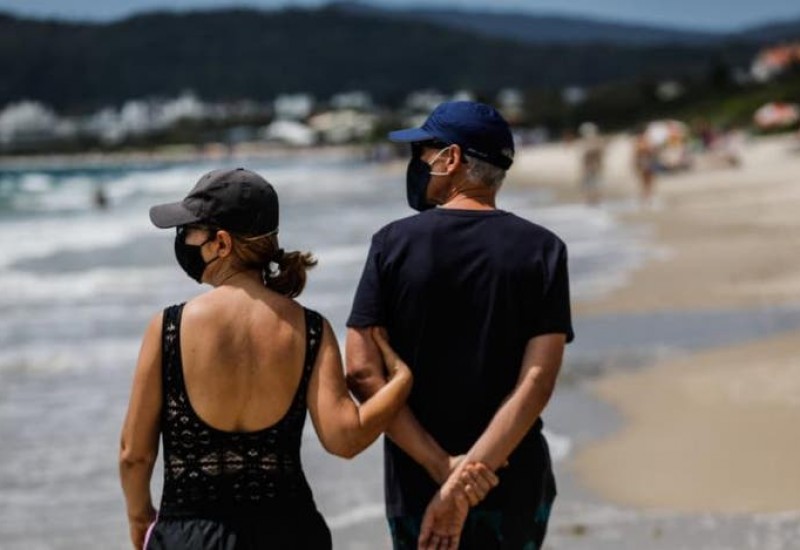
(461, 292)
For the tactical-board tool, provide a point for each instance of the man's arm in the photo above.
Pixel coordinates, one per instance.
(344, 428)
(515, 417)
(364, 378)
(446, 513)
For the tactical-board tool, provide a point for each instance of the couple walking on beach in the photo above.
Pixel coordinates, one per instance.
(472, 300)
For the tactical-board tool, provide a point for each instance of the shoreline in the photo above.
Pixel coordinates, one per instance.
(178, 154)
(709, 432)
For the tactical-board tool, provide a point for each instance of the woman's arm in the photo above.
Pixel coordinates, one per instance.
(345, 428)
(139, 441)
(365, 378)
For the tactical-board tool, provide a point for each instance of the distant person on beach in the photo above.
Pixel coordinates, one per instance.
(99, 198)
(225, 380)
(728, 147)
(644, 164)
(476, 301)
(592, 152)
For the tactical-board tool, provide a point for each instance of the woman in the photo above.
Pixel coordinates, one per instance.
(226, 379)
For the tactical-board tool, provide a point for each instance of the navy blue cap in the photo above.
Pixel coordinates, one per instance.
(478, 129)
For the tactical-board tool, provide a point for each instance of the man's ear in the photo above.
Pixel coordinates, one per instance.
(456, 158)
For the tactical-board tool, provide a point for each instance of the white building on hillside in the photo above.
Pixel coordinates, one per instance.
(26, 121)
(294, 106)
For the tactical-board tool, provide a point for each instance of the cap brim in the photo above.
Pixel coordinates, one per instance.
(171, 215)
(410, 135)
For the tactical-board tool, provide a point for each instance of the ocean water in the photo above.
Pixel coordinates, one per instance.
(79, 285)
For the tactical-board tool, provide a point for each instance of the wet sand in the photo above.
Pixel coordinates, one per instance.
(707, 438)
(715, 431)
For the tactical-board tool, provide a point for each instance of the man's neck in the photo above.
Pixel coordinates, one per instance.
(471, 201)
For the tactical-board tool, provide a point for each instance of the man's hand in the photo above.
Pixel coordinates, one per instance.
(445, 516)
(445, 468)
(475, 480)
(444, 519)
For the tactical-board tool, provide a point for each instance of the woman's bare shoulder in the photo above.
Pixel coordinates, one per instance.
(224, 305)
(203, 307)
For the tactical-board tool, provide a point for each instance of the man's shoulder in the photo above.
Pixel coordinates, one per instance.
(404, 225)
(508, 224)
(533, 231)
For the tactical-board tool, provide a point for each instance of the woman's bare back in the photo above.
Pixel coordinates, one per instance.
(243, 352)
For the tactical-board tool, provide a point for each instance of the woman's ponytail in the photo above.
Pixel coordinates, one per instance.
(289, 278)
(283, 272)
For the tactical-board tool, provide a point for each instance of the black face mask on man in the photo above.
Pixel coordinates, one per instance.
(189, 256)
(418, 176)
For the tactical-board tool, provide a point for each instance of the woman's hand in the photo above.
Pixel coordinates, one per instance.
(138, 527)
(392, 362)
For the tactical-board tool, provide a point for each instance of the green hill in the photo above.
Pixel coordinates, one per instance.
(232, 54)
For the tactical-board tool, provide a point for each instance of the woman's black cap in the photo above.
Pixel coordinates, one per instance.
(238, 200)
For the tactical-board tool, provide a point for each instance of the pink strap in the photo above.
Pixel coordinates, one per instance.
(149, 532)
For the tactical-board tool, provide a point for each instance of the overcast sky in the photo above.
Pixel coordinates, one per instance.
(708, 14)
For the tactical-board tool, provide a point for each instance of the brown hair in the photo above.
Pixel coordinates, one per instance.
(283, 272)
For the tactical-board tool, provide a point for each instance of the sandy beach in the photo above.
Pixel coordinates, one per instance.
(723, 237)
(709, 433)
(713, 431)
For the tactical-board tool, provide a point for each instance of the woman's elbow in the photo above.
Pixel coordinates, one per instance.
(130, 458)
(362, 383)
(340, 449)
(348, 452)
(344, 445)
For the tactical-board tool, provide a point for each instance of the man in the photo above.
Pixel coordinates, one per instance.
(476, 301)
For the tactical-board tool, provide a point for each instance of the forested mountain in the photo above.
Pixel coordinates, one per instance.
(562, 29)
(539, 28)
(236, 53)
(771, 32)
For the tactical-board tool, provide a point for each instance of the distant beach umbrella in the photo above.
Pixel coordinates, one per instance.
(776, 115)
(662, 132)
(668, 140)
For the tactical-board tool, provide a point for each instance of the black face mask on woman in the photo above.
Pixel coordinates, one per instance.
(189, 256)
(418, 176)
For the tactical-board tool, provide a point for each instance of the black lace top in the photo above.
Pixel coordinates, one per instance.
(214, 473)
